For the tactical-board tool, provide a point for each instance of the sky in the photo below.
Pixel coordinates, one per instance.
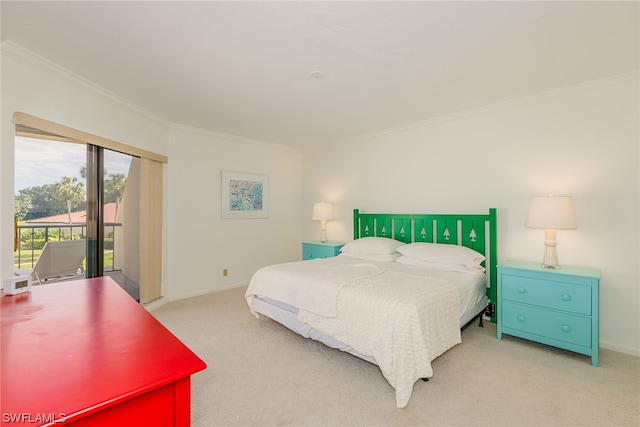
(40, 162)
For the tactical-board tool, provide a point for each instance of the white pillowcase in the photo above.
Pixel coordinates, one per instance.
(371, 257)
(442, 254)
(438, 265)
(372, 245)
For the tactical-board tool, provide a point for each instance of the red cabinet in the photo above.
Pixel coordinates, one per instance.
(84, 352)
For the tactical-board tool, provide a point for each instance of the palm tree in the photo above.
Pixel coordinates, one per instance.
(71, 190)
(114, 187)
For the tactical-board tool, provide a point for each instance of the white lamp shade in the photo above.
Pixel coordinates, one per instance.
(551, 212)
(322, 211)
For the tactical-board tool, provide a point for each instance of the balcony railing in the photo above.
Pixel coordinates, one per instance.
(32, 238)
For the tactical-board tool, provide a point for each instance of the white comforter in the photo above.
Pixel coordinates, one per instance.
(311, 285)
(401, 321)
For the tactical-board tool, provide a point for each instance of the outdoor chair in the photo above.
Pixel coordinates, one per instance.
(58, 261)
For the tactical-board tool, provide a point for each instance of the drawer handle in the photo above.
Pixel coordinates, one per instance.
(566, 328)
(521, 318)
(566, 297)
(521, 290)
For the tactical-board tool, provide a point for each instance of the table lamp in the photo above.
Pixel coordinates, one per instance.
(323, 212)
(551, 213)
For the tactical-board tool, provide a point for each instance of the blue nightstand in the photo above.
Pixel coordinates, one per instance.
(311, 250)
(557, 307)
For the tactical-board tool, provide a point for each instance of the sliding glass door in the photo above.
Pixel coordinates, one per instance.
(121, 219)
(95, 211)
(49, 208)
(64, 196)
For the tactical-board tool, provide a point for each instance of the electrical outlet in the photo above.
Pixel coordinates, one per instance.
(225, 272)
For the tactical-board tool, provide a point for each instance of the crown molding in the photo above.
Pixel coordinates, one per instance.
(594, 85)
(15, 51)
(231, 137)
(41, 64)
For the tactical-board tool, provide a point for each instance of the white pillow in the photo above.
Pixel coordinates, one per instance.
(371, 257)
(372, 245)
(438, 265)
(442, 253)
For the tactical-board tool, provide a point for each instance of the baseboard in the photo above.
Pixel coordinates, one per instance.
(158, 302)
(210, 291)
(620, 348)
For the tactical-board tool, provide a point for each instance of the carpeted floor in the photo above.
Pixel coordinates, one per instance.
(261, 374)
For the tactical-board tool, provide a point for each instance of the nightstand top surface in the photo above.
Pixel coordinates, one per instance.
(324, 243)
(563, 269)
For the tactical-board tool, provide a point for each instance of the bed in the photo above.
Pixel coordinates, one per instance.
(397, 296)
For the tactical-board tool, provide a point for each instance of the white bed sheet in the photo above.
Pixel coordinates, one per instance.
(471, 288)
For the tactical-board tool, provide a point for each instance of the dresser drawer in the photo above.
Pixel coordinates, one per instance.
(546, 323)
(570, 297)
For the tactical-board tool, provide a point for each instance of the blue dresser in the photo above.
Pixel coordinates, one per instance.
(311, 250)
(557, 307)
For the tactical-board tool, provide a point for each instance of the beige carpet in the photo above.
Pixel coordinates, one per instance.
(259, 373)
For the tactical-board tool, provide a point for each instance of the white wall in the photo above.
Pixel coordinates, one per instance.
(201, 244)
(581, 141)
(198, 244)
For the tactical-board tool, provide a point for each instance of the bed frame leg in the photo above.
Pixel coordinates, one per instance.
(487, 311)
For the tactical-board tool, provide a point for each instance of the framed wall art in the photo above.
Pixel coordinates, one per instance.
(244, 195)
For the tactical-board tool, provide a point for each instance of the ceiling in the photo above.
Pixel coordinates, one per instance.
(245, 68)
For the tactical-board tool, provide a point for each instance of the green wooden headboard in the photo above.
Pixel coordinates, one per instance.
(478, 232)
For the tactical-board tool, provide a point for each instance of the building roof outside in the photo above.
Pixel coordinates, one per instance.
(76, 217)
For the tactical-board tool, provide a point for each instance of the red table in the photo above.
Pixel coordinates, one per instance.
(84, 352)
